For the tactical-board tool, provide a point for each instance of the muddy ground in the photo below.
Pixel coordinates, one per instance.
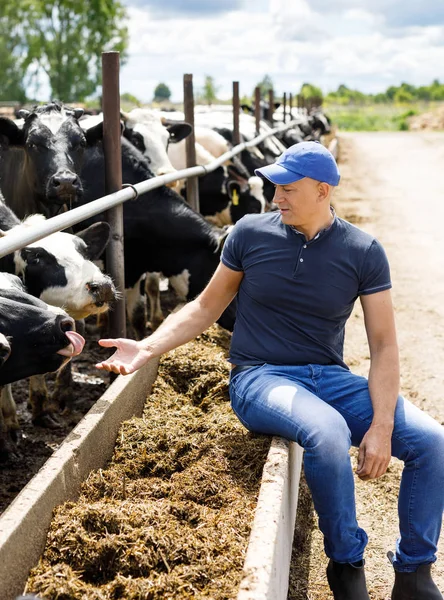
(392, 187)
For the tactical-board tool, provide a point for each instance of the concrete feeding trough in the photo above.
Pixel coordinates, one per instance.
(24, 525)
(267, 562)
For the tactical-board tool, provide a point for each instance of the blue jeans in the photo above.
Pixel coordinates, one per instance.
(326, 409)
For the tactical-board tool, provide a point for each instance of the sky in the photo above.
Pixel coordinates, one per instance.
(364, 44)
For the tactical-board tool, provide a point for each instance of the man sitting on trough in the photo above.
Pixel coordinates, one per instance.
(297, 273)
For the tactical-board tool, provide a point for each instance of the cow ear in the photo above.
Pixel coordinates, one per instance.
(96, 237)
(33, 255)
(78, 112)
(234, 192)
(10, 133)
(93, 134)
(179, 131)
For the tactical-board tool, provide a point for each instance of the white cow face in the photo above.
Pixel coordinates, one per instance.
(151, 135)
(59, 270)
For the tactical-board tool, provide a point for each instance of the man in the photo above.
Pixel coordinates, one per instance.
(297, 274)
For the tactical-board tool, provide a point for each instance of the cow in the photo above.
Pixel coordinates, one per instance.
(41, 338)
(162, 232)
(151, 134)
(41, 158)
(225, 195)
(60, 271)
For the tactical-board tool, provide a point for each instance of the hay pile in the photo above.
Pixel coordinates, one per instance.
(171, 515)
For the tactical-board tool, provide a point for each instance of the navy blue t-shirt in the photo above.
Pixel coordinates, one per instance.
(296, 296)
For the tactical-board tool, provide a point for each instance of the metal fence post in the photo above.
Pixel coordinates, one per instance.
(113, 183)
(236, 108)
(257, 108)
(290, 105)
(271, 106)
(190, 144)
(285, 107)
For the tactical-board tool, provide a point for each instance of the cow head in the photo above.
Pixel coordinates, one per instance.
(42, 338)
(59, 269)
(319, 122)
(54, 144)
(151, 135)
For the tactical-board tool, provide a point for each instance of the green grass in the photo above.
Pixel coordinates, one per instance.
(374, 117)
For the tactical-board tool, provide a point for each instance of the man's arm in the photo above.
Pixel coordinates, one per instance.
(375, 448)
(179, 328)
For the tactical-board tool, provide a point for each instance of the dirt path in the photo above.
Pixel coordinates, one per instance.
(392, 187)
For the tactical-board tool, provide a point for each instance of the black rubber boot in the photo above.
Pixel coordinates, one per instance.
(415, 586)
(347, 581)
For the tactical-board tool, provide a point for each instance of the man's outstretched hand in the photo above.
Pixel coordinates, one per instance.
(129, 356)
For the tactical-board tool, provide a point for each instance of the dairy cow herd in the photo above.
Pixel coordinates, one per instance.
(51, 159)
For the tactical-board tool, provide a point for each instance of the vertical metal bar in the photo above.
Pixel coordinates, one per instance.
(190, 143)
(290, 105)
(271, 105)
(257, 108)
(285, 107)
(236, 109)
(113, 183)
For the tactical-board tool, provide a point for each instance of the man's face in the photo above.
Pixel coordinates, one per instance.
(300, 202)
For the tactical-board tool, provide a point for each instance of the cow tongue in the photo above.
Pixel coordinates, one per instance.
(76, 345)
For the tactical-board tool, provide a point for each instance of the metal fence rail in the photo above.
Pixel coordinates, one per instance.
(24, 236)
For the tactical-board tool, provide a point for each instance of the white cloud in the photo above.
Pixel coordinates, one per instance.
(367, 44)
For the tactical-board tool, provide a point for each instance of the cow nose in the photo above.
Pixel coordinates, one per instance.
(103, 291)
(66, 323)
(64, 180)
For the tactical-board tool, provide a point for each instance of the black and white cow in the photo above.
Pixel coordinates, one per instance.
(41, 339)
(41, 158)
(162, 233)
(151, 134)
(60, 271)
(226, 194)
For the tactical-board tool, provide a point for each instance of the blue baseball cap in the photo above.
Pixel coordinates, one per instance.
(306, 159)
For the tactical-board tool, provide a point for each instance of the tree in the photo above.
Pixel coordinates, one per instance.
(266, 85)
(161, 93)
(65, 40)
(403, 96)
(128, 98)
(209, 90)
(12, 64)
(312, 93)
